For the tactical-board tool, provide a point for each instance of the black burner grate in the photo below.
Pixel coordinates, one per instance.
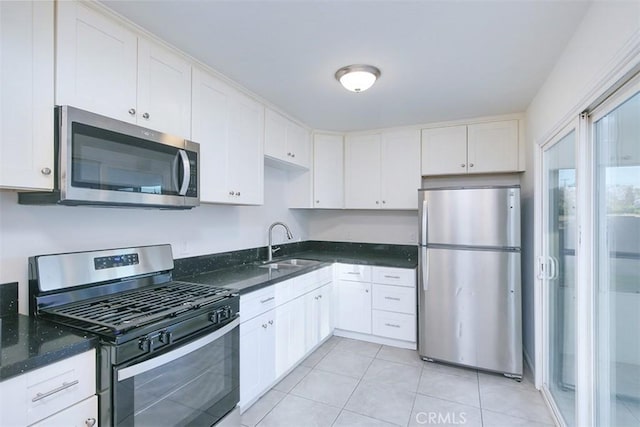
(121, 312)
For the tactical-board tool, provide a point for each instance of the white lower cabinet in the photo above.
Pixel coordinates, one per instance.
(82, 414)
(354, 306)
(283, 323)
(61, 394)
(257, 355)
(376, 304)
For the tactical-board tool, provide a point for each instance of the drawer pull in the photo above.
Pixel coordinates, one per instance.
(391, 277)
(392, 298)
(391, 325)
(64, 386)
(354, 272)
(267, 300)
(90, 422)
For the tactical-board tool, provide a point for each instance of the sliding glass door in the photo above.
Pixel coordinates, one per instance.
(616, 142)
(557, 270)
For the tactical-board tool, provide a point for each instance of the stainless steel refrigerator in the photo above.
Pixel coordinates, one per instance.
(469, 297)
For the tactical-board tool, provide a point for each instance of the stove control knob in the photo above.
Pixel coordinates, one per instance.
(213, 317)
(166, 337)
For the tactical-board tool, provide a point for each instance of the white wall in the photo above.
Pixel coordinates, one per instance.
(393, 227)
(606, 27)
(35, 230)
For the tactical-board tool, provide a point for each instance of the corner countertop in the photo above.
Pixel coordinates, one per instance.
(240, 270)
(27, 343)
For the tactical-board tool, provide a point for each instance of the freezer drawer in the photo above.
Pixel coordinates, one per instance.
(470, 308)
(487, 217)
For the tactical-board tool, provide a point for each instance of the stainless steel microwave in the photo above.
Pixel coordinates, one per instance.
(106, 162)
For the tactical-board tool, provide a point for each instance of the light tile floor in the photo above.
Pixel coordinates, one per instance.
(355, 383)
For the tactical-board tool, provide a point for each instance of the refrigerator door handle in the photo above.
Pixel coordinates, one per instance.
(424, 265)
(425, 222)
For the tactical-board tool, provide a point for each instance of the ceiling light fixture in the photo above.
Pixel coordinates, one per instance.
(358, 77)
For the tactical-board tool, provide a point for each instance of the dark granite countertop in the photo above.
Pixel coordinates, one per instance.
(27, 343)
(240, 269)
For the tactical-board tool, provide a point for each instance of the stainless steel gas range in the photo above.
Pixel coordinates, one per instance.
(169, 350)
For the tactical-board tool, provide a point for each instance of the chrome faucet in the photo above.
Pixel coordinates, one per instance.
(270, 250)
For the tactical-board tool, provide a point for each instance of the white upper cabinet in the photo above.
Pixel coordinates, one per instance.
(286, 141)
(103, 67)
(328, 171)
(164, 90)
(382, 171)
(444, 150)
(400, 169)
(491, 147)
(26, 95)
(228, 126)
(362, 171)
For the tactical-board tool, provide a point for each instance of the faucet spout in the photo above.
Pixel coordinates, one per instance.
(270, 250)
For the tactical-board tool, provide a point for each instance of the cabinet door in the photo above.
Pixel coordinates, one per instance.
(275, 135)
(246, 150)
(325, 320)
(26, 95)
(298, 145)
(164, 90)
(493, 147)
(444, 150)
(400, 169)
(96, 62)
(328, 171)
(82, 414)
(362, 172)
(354, 306)
(257, 356)
(283, 329)
(210, 128)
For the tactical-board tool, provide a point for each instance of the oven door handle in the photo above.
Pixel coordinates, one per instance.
(163, 359)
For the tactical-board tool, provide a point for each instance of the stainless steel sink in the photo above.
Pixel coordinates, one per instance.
(291, 263)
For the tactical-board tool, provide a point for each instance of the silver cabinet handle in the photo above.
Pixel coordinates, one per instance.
(366, 290)
(146, 116)
(317, 201)
(470, 165)
(391, 325)
(384, 202)
(293, 154)
(132, 111)
(264, 325)
(45, 171)
(231, 193)
(377, 202)
(64, 386)
(463, 165)
(90, 422)
(267, 300)
(391, 277)
(392, 298)
(271, 322)
(353, 272)
(289, 154)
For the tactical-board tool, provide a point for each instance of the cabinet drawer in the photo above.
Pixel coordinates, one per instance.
(82, 414)
(355, 273)
(394, 276)
(257, 302)
(60, 385)
(394, 298)
(394, 325)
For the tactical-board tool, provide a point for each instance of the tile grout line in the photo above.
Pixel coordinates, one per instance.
(480, 398)
(415, 395)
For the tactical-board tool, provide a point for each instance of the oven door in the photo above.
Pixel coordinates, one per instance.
(194, 384)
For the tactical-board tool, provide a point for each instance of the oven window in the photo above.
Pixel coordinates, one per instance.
(108, 160)
(197, 389)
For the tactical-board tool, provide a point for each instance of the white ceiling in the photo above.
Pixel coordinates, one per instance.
(440, 60)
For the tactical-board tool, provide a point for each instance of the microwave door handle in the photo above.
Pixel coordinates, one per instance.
(181, 156)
